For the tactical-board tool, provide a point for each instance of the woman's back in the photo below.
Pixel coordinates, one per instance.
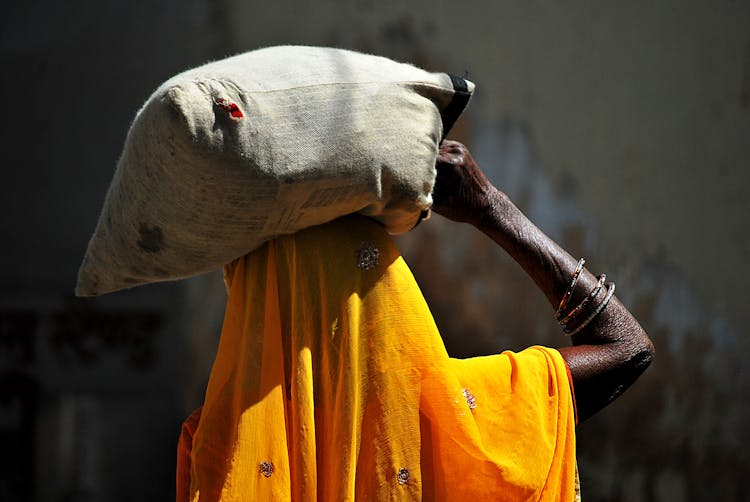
(331, 382)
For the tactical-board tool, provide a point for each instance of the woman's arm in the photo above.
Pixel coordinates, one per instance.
(610, 352)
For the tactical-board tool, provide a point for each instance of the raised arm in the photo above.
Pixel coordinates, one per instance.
(610, 351)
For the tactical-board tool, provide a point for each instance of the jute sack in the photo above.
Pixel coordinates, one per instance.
(224, 157)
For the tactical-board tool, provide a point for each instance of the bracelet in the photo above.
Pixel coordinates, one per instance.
(574, 313)
(566, 297)
(599, 310)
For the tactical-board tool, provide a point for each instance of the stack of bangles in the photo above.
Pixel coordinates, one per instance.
(566, 319)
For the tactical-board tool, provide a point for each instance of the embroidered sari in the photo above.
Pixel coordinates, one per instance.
(331, 383)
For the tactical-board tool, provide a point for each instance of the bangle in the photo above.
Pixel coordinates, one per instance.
(599, 310)
(574, 313)
(566, 297)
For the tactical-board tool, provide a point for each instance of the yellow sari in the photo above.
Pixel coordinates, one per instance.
(332, 383)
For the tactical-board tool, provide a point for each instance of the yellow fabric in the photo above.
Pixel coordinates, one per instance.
(337, 376)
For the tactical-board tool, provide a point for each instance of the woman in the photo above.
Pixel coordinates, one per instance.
(331, 381)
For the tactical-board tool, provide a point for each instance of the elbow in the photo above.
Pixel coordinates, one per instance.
(641, 353)
(648, 350)
(645, 356)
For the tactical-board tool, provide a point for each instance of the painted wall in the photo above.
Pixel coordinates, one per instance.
(90, 403)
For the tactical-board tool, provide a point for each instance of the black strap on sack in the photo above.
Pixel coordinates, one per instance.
(449, 115)
(454, 109)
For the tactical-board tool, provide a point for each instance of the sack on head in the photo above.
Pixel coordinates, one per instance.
(226, 156)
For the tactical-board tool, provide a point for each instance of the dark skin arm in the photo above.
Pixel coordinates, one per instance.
(607, 355)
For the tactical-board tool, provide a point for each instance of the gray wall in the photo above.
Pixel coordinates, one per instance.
(623, 130)
(90, 402)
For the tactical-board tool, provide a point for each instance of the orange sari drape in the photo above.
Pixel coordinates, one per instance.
(332, 383)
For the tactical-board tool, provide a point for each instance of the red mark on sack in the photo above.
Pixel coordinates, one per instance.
(229, 107)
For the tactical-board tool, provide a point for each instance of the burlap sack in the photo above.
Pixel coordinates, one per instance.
(226, 156)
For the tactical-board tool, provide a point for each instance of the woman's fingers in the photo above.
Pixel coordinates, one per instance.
(461, 187)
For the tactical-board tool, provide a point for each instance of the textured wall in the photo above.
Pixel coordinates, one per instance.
(90, 396)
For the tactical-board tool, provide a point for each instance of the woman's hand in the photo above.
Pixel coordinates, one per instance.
(462, 192)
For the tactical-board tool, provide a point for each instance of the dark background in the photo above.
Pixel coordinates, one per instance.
(623, 130)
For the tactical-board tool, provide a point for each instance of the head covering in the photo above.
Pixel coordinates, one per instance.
(331, 383)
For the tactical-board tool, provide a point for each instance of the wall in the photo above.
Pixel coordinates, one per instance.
(90, 402)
